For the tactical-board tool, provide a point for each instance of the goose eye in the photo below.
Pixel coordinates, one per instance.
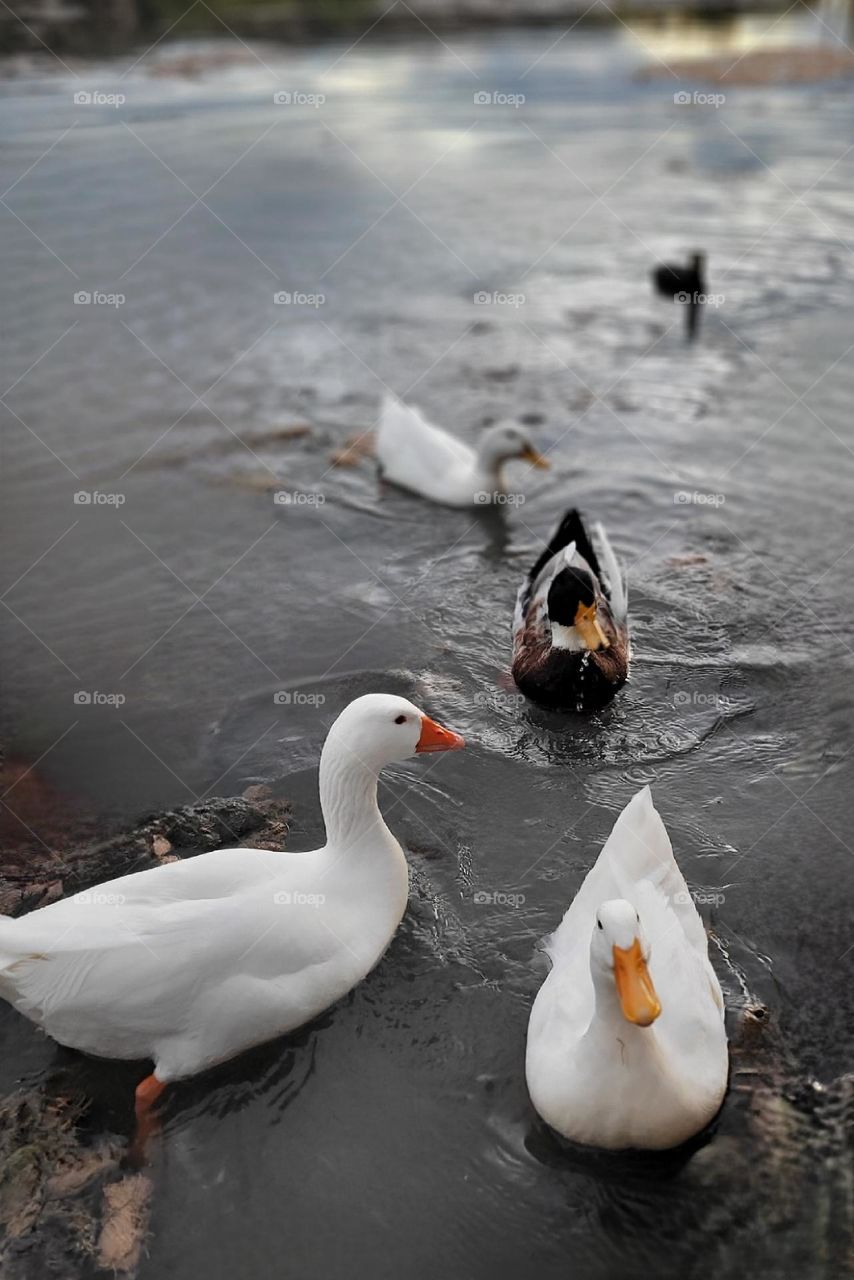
(400, 719)
(599, 924)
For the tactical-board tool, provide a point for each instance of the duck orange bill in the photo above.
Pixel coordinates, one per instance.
(536, 459)
(638, 998)
(436, 738)
(588, 628)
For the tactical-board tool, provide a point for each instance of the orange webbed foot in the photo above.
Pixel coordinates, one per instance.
(147, 1093)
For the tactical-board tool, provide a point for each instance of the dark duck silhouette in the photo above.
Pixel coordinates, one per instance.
(685, 285)
(570, 630)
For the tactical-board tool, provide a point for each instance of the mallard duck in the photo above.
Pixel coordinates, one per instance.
(570, 630)
(626, 1040)
(684, 284)
(419, 456)
(189, 963)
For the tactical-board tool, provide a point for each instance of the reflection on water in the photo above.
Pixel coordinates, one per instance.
(398, 1129)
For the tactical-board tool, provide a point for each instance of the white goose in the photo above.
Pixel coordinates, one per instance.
(626, 1041)
(422, 457)
(192, 962)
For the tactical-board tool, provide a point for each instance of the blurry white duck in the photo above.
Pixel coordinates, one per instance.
(192, 962)
(417, 455)
(626, 1040)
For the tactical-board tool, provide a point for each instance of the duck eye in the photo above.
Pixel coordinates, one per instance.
(599, 924)
(400, 719)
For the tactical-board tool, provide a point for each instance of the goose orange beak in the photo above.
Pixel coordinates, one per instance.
(638, 998)
(434, 737)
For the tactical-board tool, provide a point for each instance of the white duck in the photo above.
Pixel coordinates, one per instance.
(626, 1041)
(192, 962)
(419, 456)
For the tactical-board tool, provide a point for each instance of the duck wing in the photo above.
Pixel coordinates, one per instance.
(637, 853)
(570, 530)
(411, 449)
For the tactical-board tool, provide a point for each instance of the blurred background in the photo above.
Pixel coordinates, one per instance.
(114, 24)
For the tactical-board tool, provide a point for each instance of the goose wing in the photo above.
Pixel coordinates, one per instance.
(130, 956)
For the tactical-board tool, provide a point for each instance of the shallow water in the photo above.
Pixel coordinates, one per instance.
(396, 1132)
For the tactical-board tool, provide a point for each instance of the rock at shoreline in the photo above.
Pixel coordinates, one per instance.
(257, 819)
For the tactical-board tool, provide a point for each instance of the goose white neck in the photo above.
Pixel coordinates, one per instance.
(348, 796)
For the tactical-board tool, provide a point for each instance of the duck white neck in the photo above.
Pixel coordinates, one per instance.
(607, 1001)
(490, 468)
(348, 796)
(566, 638)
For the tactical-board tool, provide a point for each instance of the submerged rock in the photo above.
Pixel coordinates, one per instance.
(49, 1224)
(125, 1223)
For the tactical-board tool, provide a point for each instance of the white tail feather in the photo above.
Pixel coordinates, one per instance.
(616, 582)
